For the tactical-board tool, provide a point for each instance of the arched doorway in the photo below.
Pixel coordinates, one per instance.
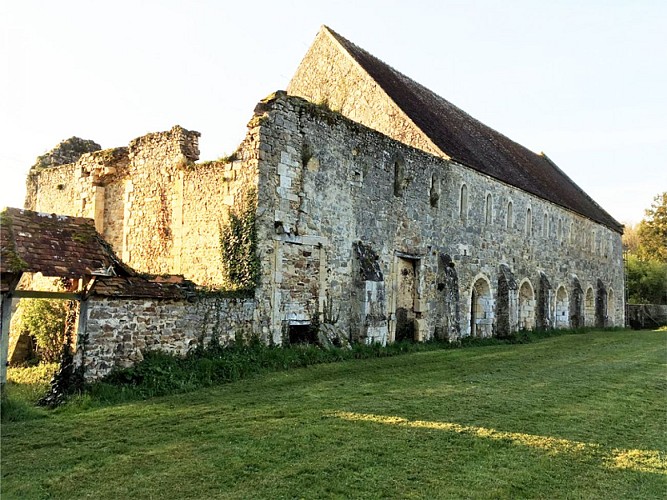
(481, 309)
(526, 306)
(589, 307)
(577, 304)
(601, 305)
(406, 291)
(544, 303)
(448, 325)
(562, 319)
(506, 302)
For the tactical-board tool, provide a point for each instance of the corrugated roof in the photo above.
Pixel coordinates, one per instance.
(471, 143)
(55, 245)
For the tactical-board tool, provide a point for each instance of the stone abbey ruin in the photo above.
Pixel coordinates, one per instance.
(360, 202)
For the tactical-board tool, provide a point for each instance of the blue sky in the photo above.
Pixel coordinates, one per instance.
(583, 81)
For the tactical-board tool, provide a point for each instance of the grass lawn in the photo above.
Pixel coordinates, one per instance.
(575, 416)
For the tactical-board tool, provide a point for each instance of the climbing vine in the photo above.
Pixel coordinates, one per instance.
(238, 244)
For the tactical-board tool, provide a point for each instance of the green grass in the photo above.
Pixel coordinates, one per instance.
(574, 416)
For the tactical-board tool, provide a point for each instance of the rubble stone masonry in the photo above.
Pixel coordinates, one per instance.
(378, 239)
(121, 330)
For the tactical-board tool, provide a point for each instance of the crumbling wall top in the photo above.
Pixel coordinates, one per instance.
(67, 151)
(175, 141)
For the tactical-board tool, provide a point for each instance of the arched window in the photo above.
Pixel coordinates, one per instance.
(545, 226)
(529, 222)
(434, 193)
(398, 177)
(463, 203)
(489, 210)
(560, 229)
(570, 235)
(509, 222)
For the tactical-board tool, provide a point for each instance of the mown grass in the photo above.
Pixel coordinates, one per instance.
(576, 416)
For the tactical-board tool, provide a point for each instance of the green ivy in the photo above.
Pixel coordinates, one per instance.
(238, 244)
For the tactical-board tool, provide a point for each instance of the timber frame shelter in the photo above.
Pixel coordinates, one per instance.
(56, 246)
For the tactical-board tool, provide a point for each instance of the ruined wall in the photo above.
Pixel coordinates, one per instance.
(209, 192)
(156, 161)
(328, 75)
(121, 330)
(86, 188)
(54, 190)
(327, 183)
(160, 211)
(439, 231)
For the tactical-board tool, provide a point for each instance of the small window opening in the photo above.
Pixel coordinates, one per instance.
(529, 222)
(398, 178)
(434, 194)
(302, 334)
(510, 216)
(463, 203)
(489, 210)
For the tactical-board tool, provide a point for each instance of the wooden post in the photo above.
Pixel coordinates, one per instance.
(6, 314)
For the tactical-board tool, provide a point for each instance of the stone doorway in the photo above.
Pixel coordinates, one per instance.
(481, 309)
(526, 307)
(577, 305)
(562, 308)
(405, 299)
(601, 305)
(589, 308)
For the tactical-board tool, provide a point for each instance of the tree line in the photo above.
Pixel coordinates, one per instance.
(645, 245)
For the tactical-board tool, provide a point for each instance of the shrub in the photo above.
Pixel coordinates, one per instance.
(44, 320)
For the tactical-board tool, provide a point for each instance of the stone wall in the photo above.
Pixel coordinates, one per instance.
(327, 182)
(647, 315)
(328, 75)
(80, 189)
(121, 330)
(160, 211)
(209, 191)
(157, 161)
(456, 252)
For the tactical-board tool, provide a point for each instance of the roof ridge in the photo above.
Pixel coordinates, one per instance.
(341, 41)
(470, 142)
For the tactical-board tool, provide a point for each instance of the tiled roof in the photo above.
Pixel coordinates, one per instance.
(471, 143)
(55, 245)
(171, 287)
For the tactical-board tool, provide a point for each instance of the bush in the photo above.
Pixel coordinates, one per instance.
(646, 281)
(44, 320)
(162, 374)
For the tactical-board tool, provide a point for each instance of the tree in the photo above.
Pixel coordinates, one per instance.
(631, 239)
(647, 281)
(652, 231)
(646, 245)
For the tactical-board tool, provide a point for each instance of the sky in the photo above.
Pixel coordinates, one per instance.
(582, 81)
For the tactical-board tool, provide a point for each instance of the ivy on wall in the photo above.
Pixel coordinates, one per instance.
(238, 244)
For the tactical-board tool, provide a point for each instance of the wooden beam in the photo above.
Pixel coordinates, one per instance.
(36, 294)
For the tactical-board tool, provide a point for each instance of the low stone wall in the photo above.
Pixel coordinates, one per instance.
(120, 330)
(647, 315)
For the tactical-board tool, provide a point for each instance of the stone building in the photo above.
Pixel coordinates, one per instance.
(381, 212)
